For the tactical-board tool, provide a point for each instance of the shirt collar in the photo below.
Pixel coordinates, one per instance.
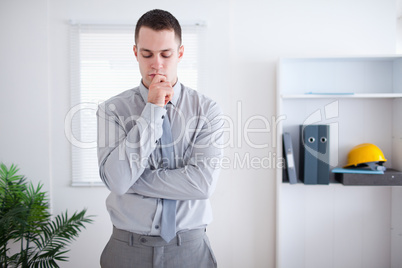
(175, 98)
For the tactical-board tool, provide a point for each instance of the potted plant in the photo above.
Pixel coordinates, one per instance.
(29, 237)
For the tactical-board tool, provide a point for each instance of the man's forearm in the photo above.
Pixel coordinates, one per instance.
(192, 182)
(195, 180)
(116, 148)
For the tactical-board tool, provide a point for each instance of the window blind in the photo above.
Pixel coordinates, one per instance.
(103, 65)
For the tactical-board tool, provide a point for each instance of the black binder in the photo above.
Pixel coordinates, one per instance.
(323, 154)
(289, 157)
(314, 154)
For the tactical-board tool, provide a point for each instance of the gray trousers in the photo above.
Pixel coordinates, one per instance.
(189, 249)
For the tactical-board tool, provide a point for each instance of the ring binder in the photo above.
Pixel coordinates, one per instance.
(314, 154)
(289, 156)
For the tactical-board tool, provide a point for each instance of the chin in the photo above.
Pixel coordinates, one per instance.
(146, 82)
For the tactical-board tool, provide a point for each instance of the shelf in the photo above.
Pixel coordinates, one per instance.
(361, 99)
(343, 96)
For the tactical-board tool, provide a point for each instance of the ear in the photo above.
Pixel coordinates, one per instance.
(135, 51)
(181, 52)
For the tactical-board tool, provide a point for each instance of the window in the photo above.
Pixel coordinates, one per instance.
(103, 65)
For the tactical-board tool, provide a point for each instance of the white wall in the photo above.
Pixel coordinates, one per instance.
(399, 26)
(24, 104)
(245, 40)
(397, 191)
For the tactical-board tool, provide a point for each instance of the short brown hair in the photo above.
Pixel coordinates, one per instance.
(159, 20)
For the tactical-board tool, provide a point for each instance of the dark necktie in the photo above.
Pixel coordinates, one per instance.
(168, 221)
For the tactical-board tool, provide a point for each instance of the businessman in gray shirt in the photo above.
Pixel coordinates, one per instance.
(131, 130)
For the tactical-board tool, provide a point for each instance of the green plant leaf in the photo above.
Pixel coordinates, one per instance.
(25, 219)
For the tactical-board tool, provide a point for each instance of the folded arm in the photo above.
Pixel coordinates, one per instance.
(119, 151)
(197, 178)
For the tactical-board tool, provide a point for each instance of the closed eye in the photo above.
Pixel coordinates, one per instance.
(166, 55)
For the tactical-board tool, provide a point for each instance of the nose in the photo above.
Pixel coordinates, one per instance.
(157, 62)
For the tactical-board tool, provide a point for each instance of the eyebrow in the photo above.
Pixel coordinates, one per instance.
(150, 51)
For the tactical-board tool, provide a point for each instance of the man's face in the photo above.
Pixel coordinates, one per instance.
(157, 52)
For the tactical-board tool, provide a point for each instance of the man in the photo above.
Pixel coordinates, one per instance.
(144, 183)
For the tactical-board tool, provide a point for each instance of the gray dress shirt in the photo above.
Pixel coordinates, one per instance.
(130, 159)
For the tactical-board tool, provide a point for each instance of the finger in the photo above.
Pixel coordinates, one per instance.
(158, 78)
(168, 98)
(161, 87)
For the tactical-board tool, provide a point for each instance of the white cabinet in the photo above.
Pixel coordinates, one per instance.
(335, 225)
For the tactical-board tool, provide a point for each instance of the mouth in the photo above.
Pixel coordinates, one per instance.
(153, 75)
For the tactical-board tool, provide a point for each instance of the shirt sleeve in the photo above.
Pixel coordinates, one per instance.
(197, 179)
(119, 151)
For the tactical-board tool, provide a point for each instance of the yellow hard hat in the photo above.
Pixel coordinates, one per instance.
(365, 153)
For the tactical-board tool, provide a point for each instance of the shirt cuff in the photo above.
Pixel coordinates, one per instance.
(153, 115)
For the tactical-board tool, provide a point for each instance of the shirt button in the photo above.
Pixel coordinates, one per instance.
(143, 240)
(156, 141)
(156, 226)
(163, 117)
